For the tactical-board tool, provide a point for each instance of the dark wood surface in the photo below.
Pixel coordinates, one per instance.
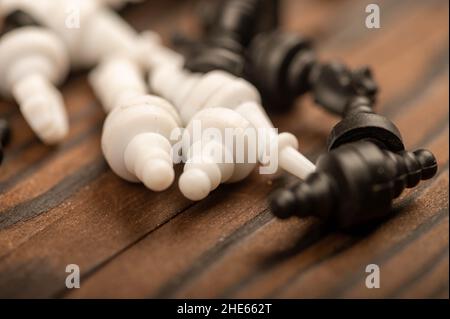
(63, 205)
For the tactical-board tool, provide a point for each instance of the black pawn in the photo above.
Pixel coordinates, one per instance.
(354, 184)
(228, 34)
(279, 65)
(5, 136)
(334, 86)
(284, 66)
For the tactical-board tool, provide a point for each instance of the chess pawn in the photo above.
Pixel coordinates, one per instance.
(32, 61)
(136, 141)
(5, 136)
(221, 89)
(354, 184)
(213, 159)
(116, 80)
(284, 66)
(229, 27)
(90, 30)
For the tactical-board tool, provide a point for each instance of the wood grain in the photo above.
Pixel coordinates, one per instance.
(63, 205)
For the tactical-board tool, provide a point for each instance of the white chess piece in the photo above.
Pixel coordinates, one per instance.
(136, 141)
(32, 61)
(136, 134)
(116, 80)
(90, 30)
(192, 93)
(212, 159)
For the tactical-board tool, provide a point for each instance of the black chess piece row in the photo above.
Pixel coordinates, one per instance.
(242, 38)
(367, 166)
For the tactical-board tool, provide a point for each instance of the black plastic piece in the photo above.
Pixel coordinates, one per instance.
(284, 66)
(279, 65)
(334, 86)
(354, 184)
(228, 33)
(5, 136)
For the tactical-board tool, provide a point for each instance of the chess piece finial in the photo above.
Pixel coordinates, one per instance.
(206, 156)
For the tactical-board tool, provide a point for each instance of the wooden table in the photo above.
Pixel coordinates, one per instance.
(63, 205)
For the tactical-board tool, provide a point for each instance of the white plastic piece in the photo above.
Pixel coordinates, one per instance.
(206, 165)
(136, 141)
(90, 30)
(289, 158)
(117, 80)
(32, 61)
(220, 89)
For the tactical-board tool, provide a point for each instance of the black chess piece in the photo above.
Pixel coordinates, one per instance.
(5, 136)
(229, 26)
(284, 66)
(354, 184)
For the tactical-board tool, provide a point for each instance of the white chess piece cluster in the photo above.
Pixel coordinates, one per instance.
(136, 139)
(90, 30)
(35, 59)
(218, 99)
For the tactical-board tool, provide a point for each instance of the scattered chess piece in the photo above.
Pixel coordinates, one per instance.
(229, 26)
(284, 66)
(136, 135)
(354, 184)
(5, 136)
(206, 166)
(192, 93)
(116, 80)
(90, 30)
(32, 62)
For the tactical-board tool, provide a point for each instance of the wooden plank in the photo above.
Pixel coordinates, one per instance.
(148, 253)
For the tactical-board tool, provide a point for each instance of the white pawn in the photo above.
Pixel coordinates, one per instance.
(136, 141)
(211, 159)
(116, 80)
(90, 30)
(221, 89)
(136, 134)
(32, 61)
